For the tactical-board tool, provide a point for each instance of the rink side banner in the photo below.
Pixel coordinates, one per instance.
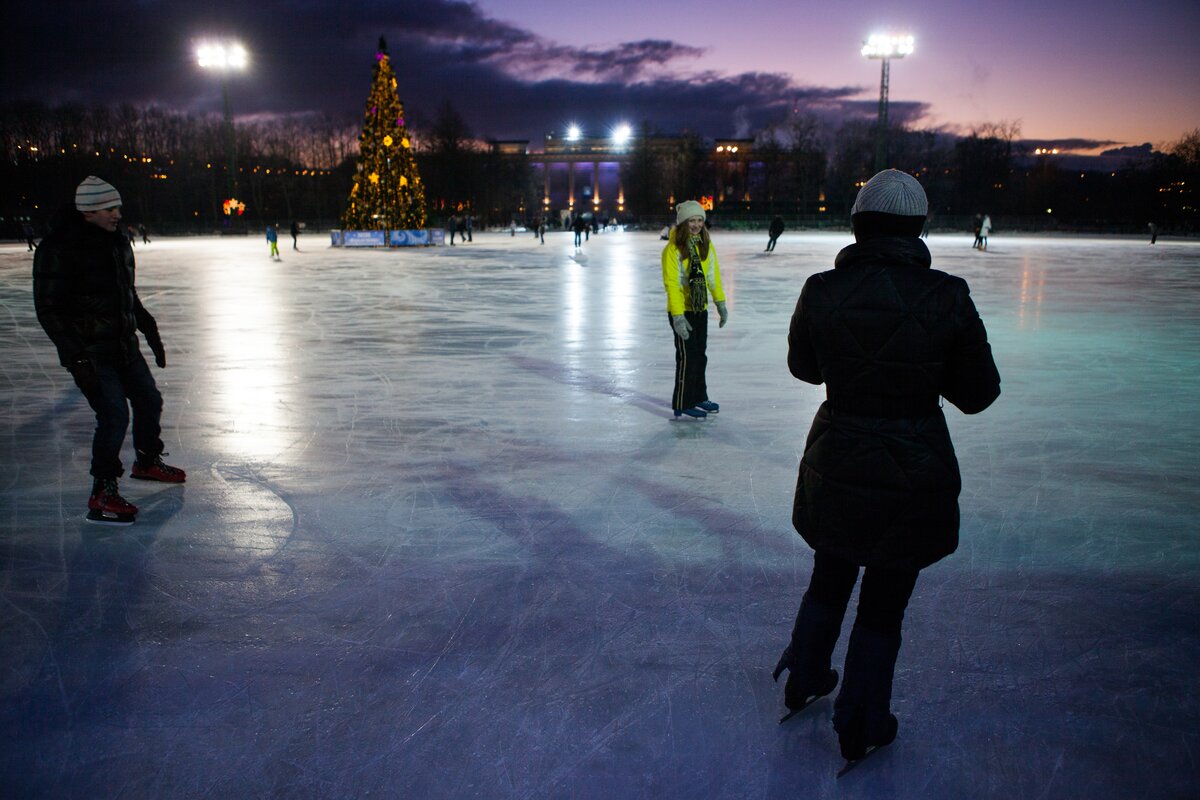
(399, 238)
(408, 238)
(364, 238)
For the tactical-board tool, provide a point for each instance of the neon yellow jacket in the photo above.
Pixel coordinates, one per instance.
(675, 278)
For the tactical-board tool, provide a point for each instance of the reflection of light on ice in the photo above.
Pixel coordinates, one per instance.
(250, 390)
(1033, 284)
(619, 338)
(572, 305)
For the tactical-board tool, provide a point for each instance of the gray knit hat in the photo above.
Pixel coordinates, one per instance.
(94, 194)
(892, 192)
(686, 210)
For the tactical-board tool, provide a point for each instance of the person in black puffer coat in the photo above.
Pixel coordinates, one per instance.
(83, 291)
(879, 482)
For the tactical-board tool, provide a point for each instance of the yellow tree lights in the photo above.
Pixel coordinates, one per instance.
(387, 193)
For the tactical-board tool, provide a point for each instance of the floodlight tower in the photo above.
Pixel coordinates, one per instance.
(885, 47)
(224, 58)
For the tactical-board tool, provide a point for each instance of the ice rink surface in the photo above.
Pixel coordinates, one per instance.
(441, 537)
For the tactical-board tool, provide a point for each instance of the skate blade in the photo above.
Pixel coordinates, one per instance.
(852, 764)
(100, 518)
(807, 702)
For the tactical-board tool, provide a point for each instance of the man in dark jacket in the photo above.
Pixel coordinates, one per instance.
(83, 290)
(879, 482)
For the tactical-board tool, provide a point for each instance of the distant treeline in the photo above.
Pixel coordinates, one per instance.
(172, 170)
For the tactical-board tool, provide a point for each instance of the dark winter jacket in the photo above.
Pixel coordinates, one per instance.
(888, 336)
(83, 291)
(776, 228)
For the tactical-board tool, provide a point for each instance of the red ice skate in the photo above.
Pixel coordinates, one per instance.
(107, 507)
(153, 469)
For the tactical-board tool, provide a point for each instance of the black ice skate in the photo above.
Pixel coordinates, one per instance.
(796, 697)
(855, 746)
(107, 507)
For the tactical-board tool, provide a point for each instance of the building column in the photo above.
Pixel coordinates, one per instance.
(595, 186)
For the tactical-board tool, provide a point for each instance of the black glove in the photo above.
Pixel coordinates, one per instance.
(85, 375)
(156, 346)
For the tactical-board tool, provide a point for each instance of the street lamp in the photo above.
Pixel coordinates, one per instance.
(885, 47)
(224, 58)
(621, 135)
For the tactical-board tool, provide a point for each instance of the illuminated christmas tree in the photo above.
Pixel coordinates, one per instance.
(387, 192)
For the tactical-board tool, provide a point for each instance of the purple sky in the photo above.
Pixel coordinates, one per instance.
(1104, 73)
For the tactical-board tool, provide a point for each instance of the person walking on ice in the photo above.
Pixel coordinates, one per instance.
(84, 295)
(878, 483)
(690, 272)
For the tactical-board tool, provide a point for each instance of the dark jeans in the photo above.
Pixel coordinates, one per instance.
(881, 601)
(690, 363)
(874, 639)
(120, 387)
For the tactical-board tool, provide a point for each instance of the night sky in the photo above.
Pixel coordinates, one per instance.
(1089, 75)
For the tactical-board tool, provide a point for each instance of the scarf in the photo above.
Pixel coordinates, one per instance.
(697, 287)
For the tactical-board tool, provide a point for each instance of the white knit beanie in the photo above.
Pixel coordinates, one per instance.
(686, 210)
(94, 194)
(892, 192)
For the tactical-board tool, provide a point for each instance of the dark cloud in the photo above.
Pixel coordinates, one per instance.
(1132, 151)
(314, 56)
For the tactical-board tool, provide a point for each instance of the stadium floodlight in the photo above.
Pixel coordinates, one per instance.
(222, 56)
(882, 45)
(573, 132)
(885, 47)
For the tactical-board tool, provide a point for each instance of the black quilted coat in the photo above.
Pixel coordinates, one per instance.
(83, 291)
(888, 336)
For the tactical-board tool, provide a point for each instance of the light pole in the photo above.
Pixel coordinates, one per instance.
(224, 58)
(885, 47)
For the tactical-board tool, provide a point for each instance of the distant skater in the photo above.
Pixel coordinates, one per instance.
(773, 233)
(978, 225)
(83, 290)
(690, 272)
(1153, 233)
(985, 228)
(273, 241)
(878, 483)
(295, 235)
(27, 232)
(143, 233)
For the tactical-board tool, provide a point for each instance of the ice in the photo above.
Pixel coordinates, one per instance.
(442, 538)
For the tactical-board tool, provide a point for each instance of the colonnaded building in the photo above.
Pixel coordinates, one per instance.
(580, 174)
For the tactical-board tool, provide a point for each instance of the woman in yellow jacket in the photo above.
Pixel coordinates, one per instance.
(690, 272)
